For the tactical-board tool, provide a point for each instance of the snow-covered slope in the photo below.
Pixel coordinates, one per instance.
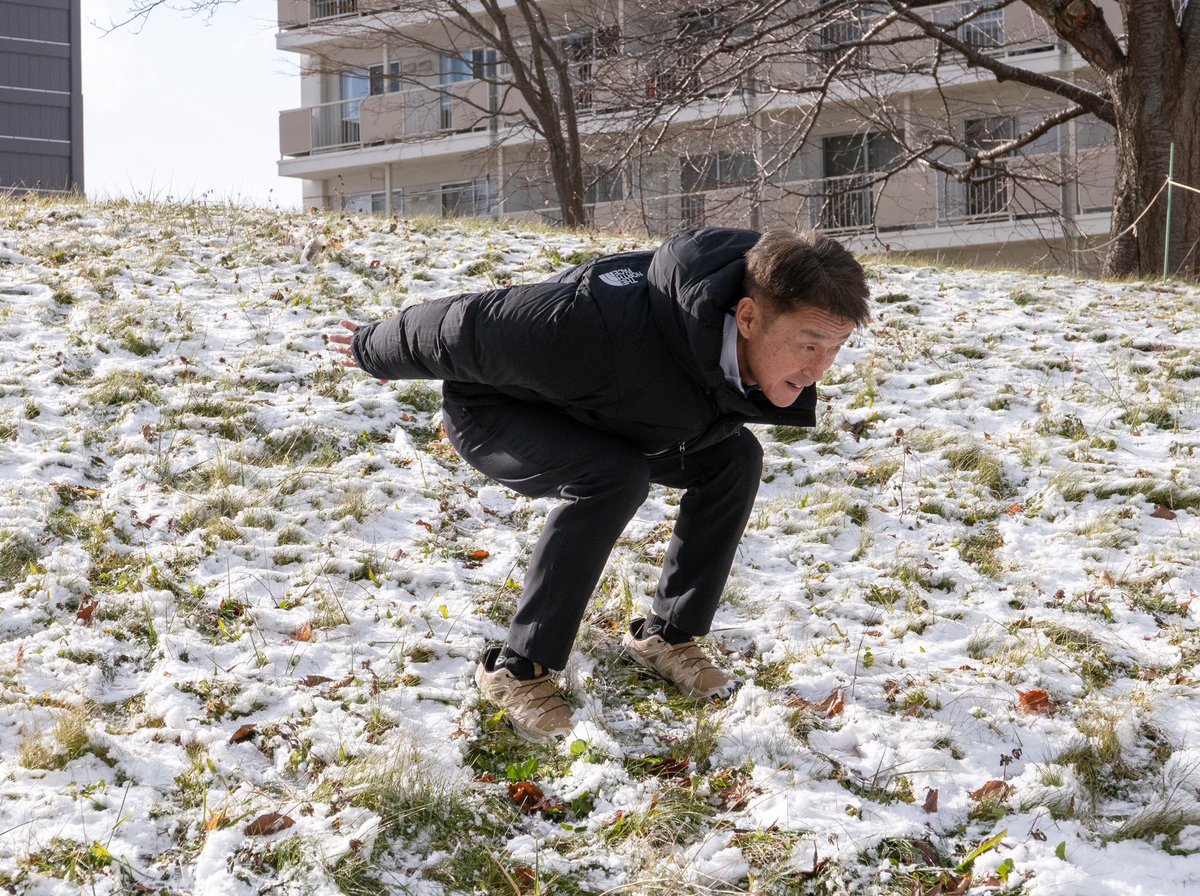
(242, 592)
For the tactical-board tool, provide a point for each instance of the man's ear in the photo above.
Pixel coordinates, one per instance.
(745, 314)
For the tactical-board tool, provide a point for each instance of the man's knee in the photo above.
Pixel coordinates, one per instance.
(622, 476)
(744, 462)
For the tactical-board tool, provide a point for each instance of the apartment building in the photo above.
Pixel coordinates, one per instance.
(41, 96)
(404, 114)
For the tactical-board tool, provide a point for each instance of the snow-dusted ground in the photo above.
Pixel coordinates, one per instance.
(242, 593)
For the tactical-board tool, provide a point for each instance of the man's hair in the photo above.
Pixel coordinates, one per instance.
(786, 271)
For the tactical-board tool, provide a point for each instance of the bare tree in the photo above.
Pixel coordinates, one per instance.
(1144, 83)
(603, 87)
(716, 98)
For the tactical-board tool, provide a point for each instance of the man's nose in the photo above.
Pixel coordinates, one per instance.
(817, 365)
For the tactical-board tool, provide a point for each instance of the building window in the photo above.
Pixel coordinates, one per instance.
(844, 33)
(580, 52)
(848, 161)
(469, 198)
(604, 184)
(1091, 132)
(473, 65)
(984, 30)
(373, 203)
(711, 171)
(987, 191)
(382, 82)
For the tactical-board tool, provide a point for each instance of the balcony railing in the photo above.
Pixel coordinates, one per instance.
(299, 13)
(986, 194)
(332, 9)
(386, 118)
(844, 203)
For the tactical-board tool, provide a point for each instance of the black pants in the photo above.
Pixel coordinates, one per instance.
(602, 480)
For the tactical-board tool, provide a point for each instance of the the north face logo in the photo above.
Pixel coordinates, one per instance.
(621, 277)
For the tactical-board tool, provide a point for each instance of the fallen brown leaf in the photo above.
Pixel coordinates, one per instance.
(216, 821)
(992, 790)
(265, 825)
(931, 798)
(1163, 513)
(244, 733)
(525, 876)
(530, 798)
(833, 705)
(303, 633)
(86, 611)
(1036, 701)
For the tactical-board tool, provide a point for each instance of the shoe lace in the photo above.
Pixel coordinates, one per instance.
(690, 658)
(541, 695)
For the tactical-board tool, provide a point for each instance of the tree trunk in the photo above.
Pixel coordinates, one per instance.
(1155, 105)
(566, 169)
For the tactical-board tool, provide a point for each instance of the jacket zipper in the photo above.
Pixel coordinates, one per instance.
(681, 447)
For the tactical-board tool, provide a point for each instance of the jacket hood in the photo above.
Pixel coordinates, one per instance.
(695, 278)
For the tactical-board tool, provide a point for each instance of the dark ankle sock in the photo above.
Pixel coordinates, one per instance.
(522, 668)
(656, 625)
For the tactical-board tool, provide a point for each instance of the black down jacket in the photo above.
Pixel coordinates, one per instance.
(629, 344)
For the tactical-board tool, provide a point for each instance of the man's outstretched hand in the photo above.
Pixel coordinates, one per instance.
(341, 345)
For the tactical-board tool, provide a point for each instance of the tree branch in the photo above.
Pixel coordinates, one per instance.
(1099, 105)
(1082, 25)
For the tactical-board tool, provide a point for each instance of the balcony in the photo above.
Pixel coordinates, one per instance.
(300, 13)
(421, 112)
(843, 203)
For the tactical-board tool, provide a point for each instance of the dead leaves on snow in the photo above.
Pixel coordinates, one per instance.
(531, 799)
(1036, 702)
(265, 825)
(831, 706)
(992, 791)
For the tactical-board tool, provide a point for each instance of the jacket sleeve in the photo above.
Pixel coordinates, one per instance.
(533, 336)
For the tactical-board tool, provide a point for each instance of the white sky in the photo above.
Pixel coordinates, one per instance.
(187, 108)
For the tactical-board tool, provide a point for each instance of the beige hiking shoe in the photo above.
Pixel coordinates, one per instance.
(533, 706)
(683, 665)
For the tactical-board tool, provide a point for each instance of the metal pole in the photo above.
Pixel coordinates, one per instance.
(1170, 197)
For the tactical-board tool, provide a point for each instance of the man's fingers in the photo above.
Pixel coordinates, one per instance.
(350, 325)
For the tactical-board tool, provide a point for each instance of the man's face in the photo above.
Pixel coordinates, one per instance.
(785, 353)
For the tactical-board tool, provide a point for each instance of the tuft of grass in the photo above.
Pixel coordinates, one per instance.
(980, 549)
(219, 506)
(677, 813)
(68, 741)
(122, 387)
(1159, 414)
(17, 553)
(420, 397)
(974, 458)
(68, 860)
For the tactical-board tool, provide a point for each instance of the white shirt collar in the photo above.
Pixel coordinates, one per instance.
(729, 359)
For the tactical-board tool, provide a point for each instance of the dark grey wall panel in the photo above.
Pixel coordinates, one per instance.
(35, 71)
(41, 95)
(36, 121)
(44, 21)
(35, 171)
